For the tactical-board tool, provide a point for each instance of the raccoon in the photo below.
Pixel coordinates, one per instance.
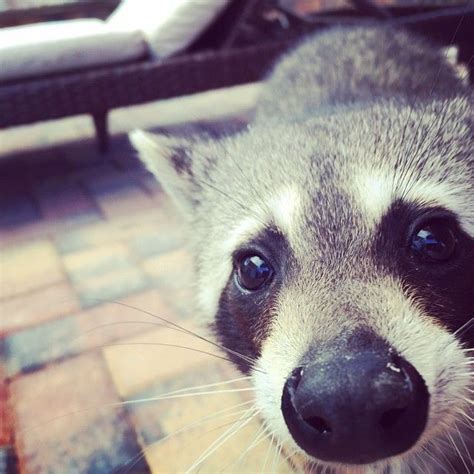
(334, 250)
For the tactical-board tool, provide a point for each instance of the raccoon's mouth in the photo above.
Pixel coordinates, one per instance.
(357, 406)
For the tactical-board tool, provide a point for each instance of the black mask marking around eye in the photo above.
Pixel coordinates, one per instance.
(430, 253)
(434, 242)
(252, 272)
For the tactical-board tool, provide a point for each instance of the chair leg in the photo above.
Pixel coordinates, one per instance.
(101, 130)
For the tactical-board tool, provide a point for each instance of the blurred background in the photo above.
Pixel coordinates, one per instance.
(92, 253)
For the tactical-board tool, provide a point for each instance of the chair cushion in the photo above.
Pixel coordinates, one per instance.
(169, 26)
(45, 48)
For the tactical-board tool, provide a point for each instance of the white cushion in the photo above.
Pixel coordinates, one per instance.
(45, 48)
(169, 25)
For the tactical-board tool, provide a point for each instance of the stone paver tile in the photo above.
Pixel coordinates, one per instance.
(37, 307)
(5, 418)
(182, 301)
(171, 271)
(40, 229)
(5, 422)
(108, 181)
(28, 267)
(90, 172)
(91, 329)
(111, 321)
(17, 209)
(128, 199)
(137, 362)
(156, 242)
(31, 348)
(86, 237)
(126, 157)
(172, 412)
(82, 156)
(7, 461)
(119, 229)
(67, 420)
(64, 201)
(96, 261)
(148, 416)
(111, 286)
(178, 454)
(74, 221)
(212, 416)
(22, 234)
(48, 165)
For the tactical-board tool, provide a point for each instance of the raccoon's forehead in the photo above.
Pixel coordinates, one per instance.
(327, 183)
(348, 168)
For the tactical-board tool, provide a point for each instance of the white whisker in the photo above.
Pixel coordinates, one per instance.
(216, 384)
(164, 344)
(468, 400)
(221, 414)
(169, 396)
(459, 453)
(177, 327)
(433, 458)
(466, 450)
(184, 395)
(287, 458)
(275, 454)
(224, 437)
(268, 453)
(277, 459)
(465, 327)
(258, 438)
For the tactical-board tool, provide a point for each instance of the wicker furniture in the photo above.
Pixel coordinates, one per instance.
(96, 92)
(99, 91)
(19, 12)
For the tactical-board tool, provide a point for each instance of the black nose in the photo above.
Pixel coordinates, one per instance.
(356, 407)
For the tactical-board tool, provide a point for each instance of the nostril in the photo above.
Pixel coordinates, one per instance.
(391, 417)
(319, 424)
(295, 378)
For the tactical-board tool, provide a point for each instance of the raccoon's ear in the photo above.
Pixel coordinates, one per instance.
(169, 159)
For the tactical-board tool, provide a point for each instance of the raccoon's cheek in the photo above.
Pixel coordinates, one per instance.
(439, 358)
(243, 321)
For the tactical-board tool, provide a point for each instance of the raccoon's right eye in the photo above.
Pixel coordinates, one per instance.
(434, 241)
(252, 271)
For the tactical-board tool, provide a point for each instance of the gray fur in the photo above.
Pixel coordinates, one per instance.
(354, 65)
(344, 105)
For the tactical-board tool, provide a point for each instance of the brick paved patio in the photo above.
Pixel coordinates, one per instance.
(79, 232)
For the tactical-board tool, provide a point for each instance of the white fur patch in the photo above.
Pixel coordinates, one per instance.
(215, 281)
(375, 194)
(150, 147)
(285, 207)
(243, 232)
(447, 195)
(211, 287)
(281, 209)
(375, 191)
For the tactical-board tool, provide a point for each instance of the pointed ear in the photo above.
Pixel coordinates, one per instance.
(169, 159)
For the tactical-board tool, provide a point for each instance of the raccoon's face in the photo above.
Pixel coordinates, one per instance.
(335, 261)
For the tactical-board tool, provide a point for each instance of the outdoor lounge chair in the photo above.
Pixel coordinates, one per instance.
(137, 76)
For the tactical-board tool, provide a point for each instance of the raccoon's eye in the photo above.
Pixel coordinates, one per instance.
(434, 241)
(252, 272)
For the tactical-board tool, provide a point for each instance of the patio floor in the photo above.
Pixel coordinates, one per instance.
(91, 252)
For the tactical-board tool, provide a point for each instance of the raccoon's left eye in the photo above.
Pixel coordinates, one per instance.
(434, 241)
(252, 272)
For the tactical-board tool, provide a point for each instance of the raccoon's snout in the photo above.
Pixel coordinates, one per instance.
(356, 406)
